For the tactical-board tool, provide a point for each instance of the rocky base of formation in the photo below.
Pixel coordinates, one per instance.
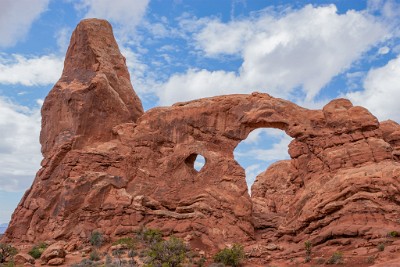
(112, 168)
(341, 252)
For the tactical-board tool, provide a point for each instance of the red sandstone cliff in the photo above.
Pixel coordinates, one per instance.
(110, 167)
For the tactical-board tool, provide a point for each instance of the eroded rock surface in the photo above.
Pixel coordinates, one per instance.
(110, 167)
(93, 95)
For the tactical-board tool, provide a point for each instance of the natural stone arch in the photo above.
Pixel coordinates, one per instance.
(130, 172)
(263, 147)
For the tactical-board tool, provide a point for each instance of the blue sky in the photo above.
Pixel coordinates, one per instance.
(308, 52)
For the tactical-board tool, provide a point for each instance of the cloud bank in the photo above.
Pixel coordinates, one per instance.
(381, 91)
(30, 71)
(284, 54)
(19, 145)
(16, 18)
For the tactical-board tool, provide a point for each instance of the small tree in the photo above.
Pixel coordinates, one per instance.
(308, 247)
(169, 253)
(96, 239)
(150, 236)
(231, 256)
(7, 251)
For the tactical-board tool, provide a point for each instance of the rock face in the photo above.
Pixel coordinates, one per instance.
(93, 95)
(110, 167)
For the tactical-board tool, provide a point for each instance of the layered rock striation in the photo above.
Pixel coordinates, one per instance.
(108, 166)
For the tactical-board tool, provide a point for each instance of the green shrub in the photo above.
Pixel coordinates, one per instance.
(151, 236)
(37, 250)
(370, 260)
(169, 253)
(96, 239)
(94, 256)
(336, 258)
(7, 251)
(393, 234)
(127, 241)
(381, 247)
(230, 256)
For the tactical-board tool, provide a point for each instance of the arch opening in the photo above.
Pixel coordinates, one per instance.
(261, 148)
(195, 162)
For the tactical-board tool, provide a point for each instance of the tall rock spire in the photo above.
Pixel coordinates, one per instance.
(94, 93)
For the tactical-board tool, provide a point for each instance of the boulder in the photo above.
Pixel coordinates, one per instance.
(54, 253)
(22, 258)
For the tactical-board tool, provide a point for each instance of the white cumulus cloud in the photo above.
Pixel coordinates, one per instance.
(30, 71)
(126, 13)
(19, 145)
(16, 18)
(280, 53)
(278, 151)
(381, 91)
(261, 148)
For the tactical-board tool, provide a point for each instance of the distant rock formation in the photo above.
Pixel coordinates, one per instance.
(110, 167)
(3, 227)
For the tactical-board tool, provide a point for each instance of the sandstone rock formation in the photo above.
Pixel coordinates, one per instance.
(110, 167)
(93, 95)
(22, 258)
(54, 254)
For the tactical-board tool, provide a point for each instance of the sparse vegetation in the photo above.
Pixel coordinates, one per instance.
(370, 260)
(37, 250)
(108, 260)
(85, 263)
(201, 261)
(96, 239)
(393, 234)
(94, 256)
(131, 255)
(6, 252)
(150, 236)
(168, 253)
(336, 258)
(118, 253)
(381, 247)
(126, 241)
(231, 256)
(308, 247)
